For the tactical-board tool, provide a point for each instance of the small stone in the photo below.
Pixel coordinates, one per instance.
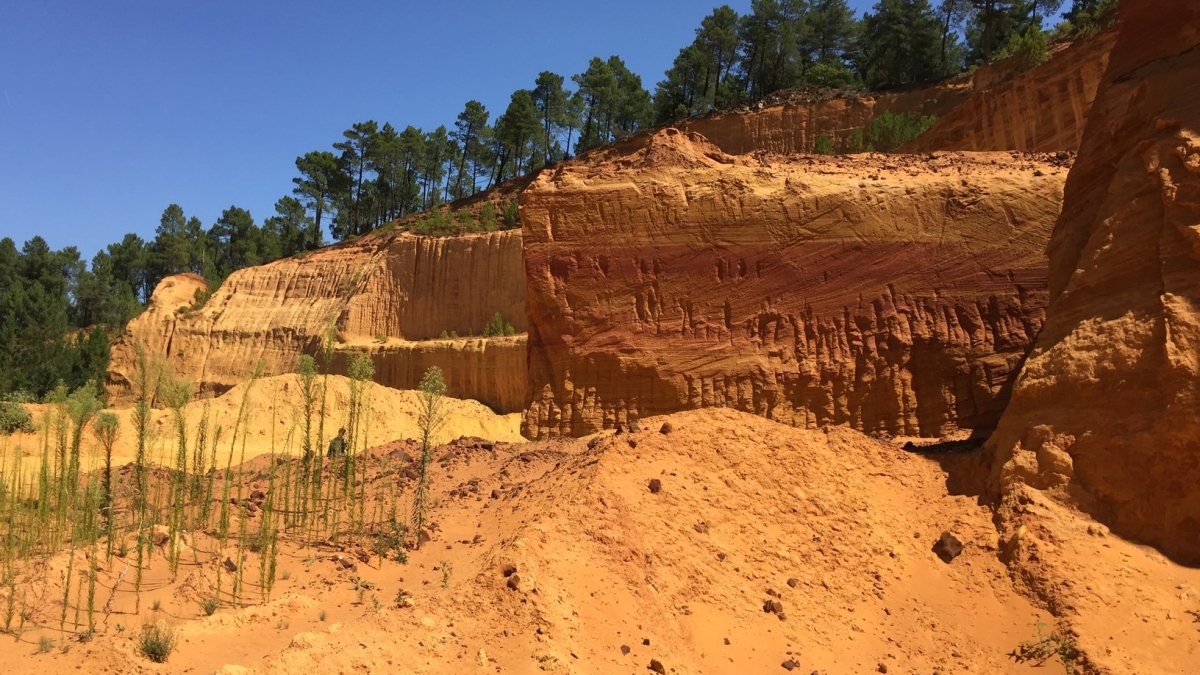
(881, 667)
(702, 528)
(721, 557)
(645, 642)
(509, 570)
(495, 494)
(772, 606)
(655, 486)
(947, 547)
(657, 667)
(790, 665)
(634, 427)
(514, 582)
(727, 641)
(481, 658)
(771, 592)
(624, 650)
(793, 582)
(229, 565)
(666, 428)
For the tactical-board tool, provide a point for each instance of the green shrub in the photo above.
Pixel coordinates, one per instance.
(835, 76)
(437, 224)
(512, 215)
(855, 143)
(14, 417)
(157, 641)
(466, 222)
(497, 327)
(889, 131)
(487, 216)
(823, 146)
(1029, 49)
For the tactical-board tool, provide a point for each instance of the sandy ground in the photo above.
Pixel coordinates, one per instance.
(558, 557)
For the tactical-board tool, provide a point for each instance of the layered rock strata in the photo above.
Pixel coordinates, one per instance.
(893, 294)
(1040, 110)
(391, 296)
(794, 127)
(1106, 412)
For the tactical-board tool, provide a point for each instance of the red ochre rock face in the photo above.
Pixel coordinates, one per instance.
(895, 294)
(1106, 412)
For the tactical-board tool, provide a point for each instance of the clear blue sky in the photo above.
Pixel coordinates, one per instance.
(110, 111)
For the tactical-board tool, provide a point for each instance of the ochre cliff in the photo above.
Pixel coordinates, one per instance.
(794, 127)
(995, 109)
(892, 294)
(1040, 110)
(390, 295)
(1106, 412)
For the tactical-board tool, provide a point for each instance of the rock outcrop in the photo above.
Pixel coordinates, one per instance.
(391, 296)
(1040, 110)
(794, 126)
(893, 294)
(994, 109)
(1106, 412)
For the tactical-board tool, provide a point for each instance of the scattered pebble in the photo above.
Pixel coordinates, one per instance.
(947, 547)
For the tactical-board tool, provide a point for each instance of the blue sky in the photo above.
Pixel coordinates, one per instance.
(111, 111)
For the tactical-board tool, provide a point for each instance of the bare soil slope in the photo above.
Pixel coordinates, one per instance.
(563, 557)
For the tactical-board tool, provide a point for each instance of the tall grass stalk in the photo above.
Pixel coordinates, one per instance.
(433, 388)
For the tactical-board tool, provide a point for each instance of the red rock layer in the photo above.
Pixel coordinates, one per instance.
(895, 295)
(1040, 110)
(1106, 413)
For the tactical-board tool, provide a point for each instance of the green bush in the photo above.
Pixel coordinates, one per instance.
(14, 417)
(823, 146)
(437, 224)
(497, 327)
(835, 76)
(487, 216)
(512, 215)
(1028, 48)
(855, 143)
(889, 131)
(157, 641)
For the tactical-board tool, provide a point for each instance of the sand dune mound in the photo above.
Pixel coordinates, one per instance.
(582, 559)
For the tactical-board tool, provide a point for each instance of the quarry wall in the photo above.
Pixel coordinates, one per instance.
(1106, 412)
(389, 296)
(893, 294)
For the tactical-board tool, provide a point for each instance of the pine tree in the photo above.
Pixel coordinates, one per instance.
(901, 43)
(355, 160)
(319, 180)
(550, 98)
(468, 129)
